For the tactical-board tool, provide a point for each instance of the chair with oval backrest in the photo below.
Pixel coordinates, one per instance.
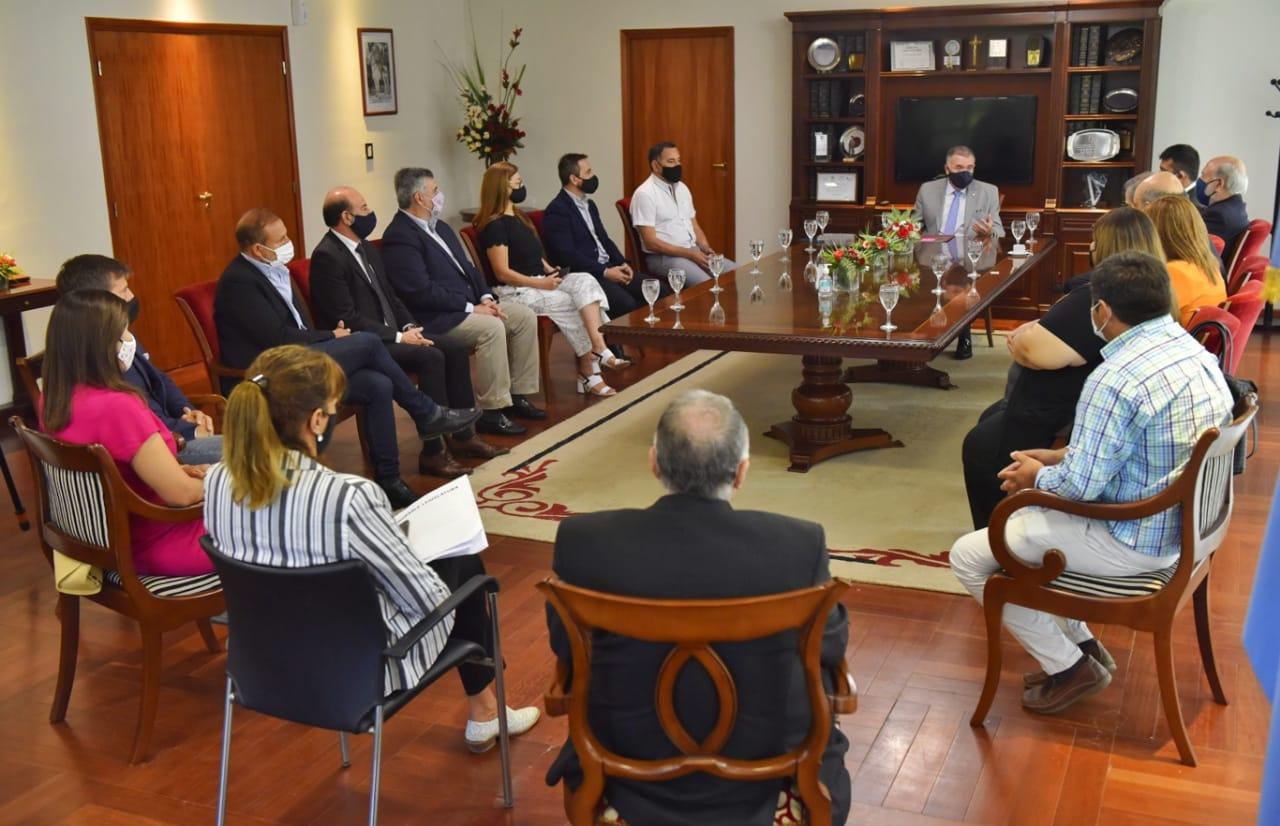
(1246, 305)
(1217, 243)
(311, 647)
(1217, 330)
(693, 627)
(1253, 268)
(83, 510)
(1250, 243)
(1145, 602)
(546, 327)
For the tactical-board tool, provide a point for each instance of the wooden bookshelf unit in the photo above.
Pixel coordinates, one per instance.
(1089, 48)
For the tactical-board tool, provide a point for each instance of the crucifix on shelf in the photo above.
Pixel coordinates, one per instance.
(974, 44)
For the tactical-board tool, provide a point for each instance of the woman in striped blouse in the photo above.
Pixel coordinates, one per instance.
(269, 502)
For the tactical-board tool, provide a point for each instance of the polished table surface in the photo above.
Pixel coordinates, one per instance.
(784, 316)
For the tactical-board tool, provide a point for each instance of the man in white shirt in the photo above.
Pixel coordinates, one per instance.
(662, 212)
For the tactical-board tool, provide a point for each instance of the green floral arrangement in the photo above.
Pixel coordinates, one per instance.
(490, 129)
(902, 232)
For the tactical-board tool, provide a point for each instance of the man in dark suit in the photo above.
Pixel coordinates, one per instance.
(575, 237)
(192, 430)
(1225, 182)
(691, 544)
(1183, 162)
(256, 308)
(349, 285)
(447, 295)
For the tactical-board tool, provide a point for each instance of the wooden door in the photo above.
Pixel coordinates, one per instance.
(677, 85)
(196, 125)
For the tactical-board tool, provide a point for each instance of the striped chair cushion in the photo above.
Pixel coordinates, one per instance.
(171, 586)
(77, 505)
(1141, 585)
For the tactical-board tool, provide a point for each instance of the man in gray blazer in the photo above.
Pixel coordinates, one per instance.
(957, 204)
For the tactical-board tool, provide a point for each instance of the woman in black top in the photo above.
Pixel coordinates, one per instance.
(574, 301)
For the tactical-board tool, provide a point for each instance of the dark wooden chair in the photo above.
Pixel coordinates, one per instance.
(692, 626)
(546, 327)
(1149, 602)
(82, 510)
(634, 250)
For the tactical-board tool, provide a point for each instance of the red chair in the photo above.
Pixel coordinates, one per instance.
(546, 327)
(300, 271)
(1250, 269)
(1246, 305)
(1204, 327)
(1251, 243)
(1217, 243)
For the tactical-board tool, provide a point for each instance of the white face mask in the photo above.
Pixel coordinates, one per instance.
(284, 253)
(128, 349)
(438, 203)
(1097, 331)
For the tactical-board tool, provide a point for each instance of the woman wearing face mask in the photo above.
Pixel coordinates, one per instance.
(270, 502)
(574, 301)
(86, 400)
(1052, 358)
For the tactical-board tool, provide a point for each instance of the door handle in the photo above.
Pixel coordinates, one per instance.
(205, 198)
(721, 165)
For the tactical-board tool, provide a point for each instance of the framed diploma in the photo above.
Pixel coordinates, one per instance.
(911, 56)
(837, 186)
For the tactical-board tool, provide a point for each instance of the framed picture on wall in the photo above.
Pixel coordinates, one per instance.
(377, 71)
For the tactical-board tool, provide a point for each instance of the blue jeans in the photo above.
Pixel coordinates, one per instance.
(202, 451)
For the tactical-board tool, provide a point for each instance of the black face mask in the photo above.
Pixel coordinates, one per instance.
(671, 174)
(960, 180)
(132, 308)
(518, 195)
(364, 224)
(324, 439)
(589, 185)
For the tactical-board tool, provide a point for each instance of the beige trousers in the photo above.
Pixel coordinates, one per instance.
(506, 353)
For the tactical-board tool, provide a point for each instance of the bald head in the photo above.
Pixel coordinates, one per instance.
(1225, 176)
(701, 446)
(343, 205)
(1131, 187)
(1157, 186)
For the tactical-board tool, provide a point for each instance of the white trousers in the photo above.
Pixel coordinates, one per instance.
(562, 305)
(693, 274)
(1089, 548)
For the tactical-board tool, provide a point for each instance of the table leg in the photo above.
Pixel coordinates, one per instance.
(16, 340)
(821, 427)
(899, 372)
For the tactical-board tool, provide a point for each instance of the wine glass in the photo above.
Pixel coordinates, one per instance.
(757, 250)
(715, 264)
(1033, 221)
(885, 220)
(888, 300)
(810, 229)
(811, 271)
(941, 263)
(973, 251)
(1017, 228)
(823, 218)
(650, 287)
(675, 277)
(784, 241)
(717, 312)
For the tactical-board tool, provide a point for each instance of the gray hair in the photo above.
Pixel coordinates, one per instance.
(1233, 175)
(410, 181)
(700, 441)
(1131, 185)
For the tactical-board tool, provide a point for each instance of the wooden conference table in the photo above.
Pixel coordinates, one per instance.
(786, 319)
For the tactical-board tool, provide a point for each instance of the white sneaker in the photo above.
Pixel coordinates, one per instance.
(481, 737)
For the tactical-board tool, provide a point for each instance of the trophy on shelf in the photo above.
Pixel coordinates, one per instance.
(1095, 183)
(951, 54)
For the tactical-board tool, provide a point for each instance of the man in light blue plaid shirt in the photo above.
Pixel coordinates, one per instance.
(1139, 416)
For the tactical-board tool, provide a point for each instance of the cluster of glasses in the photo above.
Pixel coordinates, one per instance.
(813, 226)
(1033, 221)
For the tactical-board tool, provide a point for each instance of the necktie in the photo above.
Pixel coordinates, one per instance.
(949, 226)
(388, 316)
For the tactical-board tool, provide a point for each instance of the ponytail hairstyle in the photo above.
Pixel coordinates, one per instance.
(265, 416)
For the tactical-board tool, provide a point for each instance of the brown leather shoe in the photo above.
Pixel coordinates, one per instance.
(476, 448)
(1091, 647)
(441, 464)
(1084, 679)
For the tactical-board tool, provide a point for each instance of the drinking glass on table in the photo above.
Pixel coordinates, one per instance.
(1017, 228)
(810, 229)
(757, 250)
(1033, 221)
(675, 277)
(888, 300)
(784, 241)
(650, 287)
(715, 265)
(940, 264)
(823, 218)
(885, 220)
(973, 251)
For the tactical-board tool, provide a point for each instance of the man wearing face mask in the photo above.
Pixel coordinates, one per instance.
(192, 429)
(957, 204)
(1137, 420)
(574, 236)
(349, 285)
(1222, 185)
(447, 295)
(256, 308)
(662, 212)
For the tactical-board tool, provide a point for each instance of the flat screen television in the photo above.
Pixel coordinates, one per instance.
(1000, 130)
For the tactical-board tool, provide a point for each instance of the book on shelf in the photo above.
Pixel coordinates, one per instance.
(1095, 95)
(1095, 46)
(1073, 95)
(1081, 50)
(813, 100)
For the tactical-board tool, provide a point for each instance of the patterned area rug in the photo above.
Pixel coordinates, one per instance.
(890, 515)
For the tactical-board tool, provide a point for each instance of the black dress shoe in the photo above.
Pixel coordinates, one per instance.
(495, 421)
(440, 464)
(450, 420)
(964, 348)
(522, 408)
(400, 494)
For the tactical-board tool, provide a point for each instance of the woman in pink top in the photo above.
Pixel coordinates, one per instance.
(86, 400)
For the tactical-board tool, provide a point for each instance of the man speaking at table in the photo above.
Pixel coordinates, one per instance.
(956, 204)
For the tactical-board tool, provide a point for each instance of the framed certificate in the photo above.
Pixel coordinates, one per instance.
(821, 145)
(911, 56)
(837, 186)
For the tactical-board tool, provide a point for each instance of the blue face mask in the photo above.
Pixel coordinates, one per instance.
(1200, 195)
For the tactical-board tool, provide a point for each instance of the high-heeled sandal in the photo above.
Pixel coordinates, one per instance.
(594, 385)
(608, 359)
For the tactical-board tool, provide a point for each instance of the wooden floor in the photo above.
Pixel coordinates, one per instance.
(917, 657)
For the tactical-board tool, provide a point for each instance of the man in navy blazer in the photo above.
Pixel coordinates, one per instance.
(1225, 182)
(575, 237)
(449, 298)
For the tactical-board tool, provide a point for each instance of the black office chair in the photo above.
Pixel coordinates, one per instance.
(309, 645)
